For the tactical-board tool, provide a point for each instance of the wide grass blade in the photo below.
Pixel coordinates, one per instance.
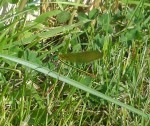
(74, 83)
(50, 33)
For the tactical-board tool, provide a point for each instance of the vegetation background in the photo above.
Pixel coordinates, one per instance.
(39, 89)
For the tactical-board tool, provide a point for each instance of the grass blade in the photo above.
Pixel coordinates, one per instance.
(74, 83)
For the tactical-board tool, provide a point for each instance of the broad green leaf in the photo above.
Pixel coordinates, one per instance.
(82, 16)
(13, 1)
(46, 15)
(93, 13)
(81, 57)
(63, 16)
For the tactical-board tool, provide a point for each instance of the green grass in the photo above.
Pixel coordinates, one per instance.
(36, 88)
